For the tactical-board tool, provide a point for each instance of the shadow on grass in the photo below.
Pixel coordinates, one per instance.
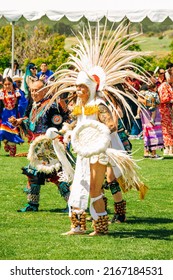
(154, 234)
(60, 210)
(56, 210)
(168, 157)
(149, 220)
(161, 234)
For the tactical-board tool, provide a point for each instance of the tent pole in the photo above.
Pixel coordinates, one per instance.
(12, 58)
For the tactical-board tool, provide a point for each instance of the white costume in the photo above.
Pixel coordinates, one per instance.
(81, 184)
(100, 62)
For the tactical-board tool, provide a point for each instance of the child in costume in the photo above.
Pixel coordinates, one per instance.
(151, 122)
(12, 104)
(150, 100)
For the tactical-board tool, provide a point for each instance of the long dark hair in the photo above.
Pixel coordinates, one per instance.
(8, 78)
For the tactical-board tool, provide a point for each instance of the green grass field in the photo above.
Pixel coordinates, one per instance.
(155, 44)
(147, 234)
(159, 47)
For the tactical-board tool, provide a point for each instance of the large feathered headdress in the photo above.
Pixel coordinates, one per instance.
(105, 58)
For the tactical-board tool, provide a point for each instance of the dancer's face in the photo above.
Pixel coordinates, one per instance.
(8, 86)
(37, 91)
(82, 92)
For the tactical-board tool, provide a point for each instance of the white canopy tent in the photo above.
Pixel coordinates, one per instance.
(114, 10)
(93, 10)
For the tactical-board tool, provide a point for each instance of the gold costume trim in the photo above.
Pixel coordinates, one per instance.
(88, 110)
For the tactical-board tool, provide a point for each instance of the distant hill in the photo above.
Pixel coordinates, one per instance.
(156, 36)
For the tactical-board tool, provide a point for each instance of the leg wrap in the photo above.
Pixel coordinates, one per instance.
(78, 221)
(105, 199)
(27, 188)
(93, 212)
(64, 189)
(6, 146)
(101, 225)
(12, 150)
(114, 187)
(33, 199)
(34, 194)
(120, 211)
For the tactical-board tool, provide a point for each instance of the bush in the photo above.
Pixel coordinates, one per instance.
(160, 37)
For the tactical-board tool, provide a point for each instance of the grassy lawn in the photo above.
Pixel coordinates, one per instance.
(154, 43)
(147, 234)
(158, 46)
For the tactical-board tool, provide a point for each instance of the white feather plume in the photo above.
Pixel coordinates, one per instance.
(105, 52)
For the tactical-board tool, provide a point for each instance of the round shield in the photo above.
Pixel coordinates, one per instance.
(90, 138)
(42, 155)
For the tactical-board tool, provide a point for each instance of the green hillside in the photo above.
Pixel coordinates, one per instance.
(161, 46)
(155, 37)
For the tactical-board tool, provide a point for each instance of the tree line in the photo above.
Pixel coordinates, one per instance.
(44, 40)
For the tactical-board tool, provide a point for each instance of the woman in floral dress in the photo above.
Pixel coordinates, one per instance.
(165, 91)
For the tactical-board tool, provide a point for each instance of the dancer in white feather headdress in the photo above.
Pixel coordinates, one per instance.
(98, 63)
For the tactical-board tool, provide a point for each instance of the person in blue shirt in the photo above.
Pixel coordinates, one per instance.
(17, 83)
(45, 74)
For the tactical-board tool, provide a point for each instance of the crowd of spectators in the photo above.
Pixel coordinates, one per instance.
(156, 98)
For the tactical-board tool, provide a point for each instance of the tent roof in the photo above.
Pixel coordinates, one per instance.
(74, 10)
